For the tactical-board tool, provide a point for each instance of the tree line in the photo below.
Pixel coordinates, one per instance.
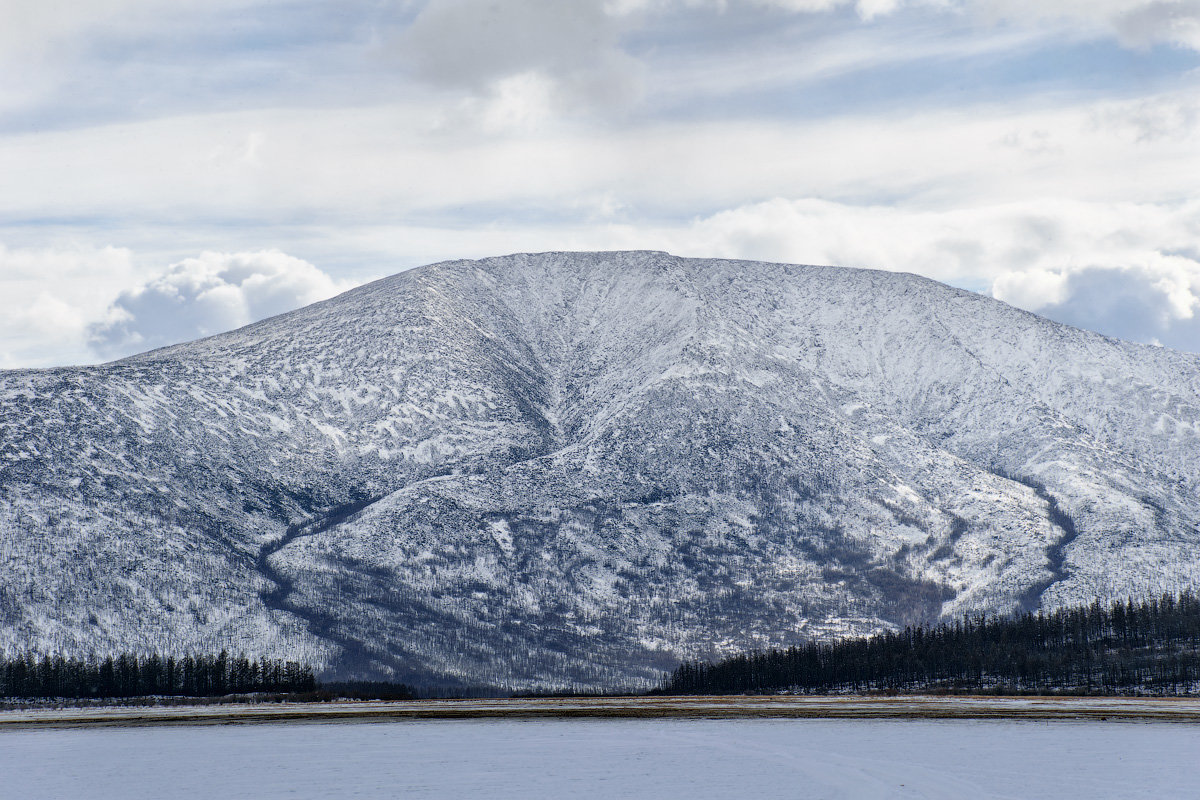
(134, 675)
(1152, 646)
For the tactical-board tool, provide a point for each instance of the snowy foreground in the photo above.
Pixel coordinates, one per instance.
(1126, 709)
(659, 758)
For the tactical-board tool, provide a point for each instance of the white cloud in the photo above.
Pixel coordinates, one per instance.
(364, 166)
(1018, 244)
(62, 305)
(964, 196)
(561, 56)
(1153, 119)
(48, 296)
(471, 42)
(517, 104)
(1135, 23)
(1126, 269)
(1047, 256)
(201, 296)
(1155, 302)
(38, 38)
(1031, 289)
(32, 26)
(510, 142)
(1116, 268)
(867, 9)
(65, 56)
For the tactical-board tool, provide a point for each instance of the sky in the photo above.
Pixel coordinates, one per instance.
(170, 170)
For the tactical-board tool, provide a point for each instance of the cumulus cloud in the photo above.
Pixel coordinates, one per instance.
(1124, 269)
(201, 296)
(985, 243)
(1155, 302)
(1021, 195)
(1031, 289)
(1128, 270)
(48, 296)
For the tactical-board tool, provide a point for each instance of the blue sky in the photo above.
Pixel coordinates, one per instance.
(175, 169)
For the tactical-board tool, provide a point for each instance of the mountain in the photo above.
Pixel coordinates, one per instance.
(578, 468)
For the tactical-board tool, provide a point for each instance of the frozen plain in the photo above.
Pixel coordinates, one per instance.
(684, 758)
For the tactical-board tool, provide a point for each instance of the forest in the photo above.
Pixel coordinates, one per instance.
(1126, 648)
(133, 675)
(1146, 647)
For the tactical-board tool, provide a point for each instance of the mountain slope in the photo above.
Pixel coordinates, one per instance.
(580, 467)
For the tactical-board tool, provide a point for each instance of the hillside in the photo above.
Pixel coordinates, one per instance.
(580, 468)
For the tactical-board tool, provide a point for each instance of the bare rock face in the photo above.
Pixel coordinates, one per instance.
(574, 469)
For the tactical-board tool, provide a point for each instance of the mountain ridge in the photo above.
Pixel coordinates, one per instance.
(584, 467)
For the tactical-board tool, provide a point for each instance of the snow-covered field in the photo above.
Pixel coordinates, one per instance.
(1127, 709)
(616, 758)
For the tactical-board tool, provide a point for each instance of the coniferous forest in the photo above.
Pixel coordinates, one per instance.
(132, 675)
(1150, 647)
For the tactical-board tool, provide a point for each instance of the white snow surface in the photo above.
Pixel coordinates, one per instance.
(575, 469)
(827, 759)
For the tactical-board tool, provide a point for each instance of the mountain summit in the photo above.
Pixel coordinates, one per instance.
(577, 468)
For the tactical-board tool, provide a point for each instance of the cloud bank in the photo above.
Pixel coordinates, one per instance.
(520, 62)
(1153, 303)
(202, 296)
(1043, 152)
(1127, 270)
(48, 296)
(1135, 23)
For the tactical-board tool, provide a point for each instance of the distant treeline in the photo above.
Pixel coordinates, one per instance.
(1146, 647)
(132, 675)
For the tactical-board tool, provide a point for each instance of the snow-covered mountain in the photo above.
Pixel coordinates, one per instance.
(577, 468)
